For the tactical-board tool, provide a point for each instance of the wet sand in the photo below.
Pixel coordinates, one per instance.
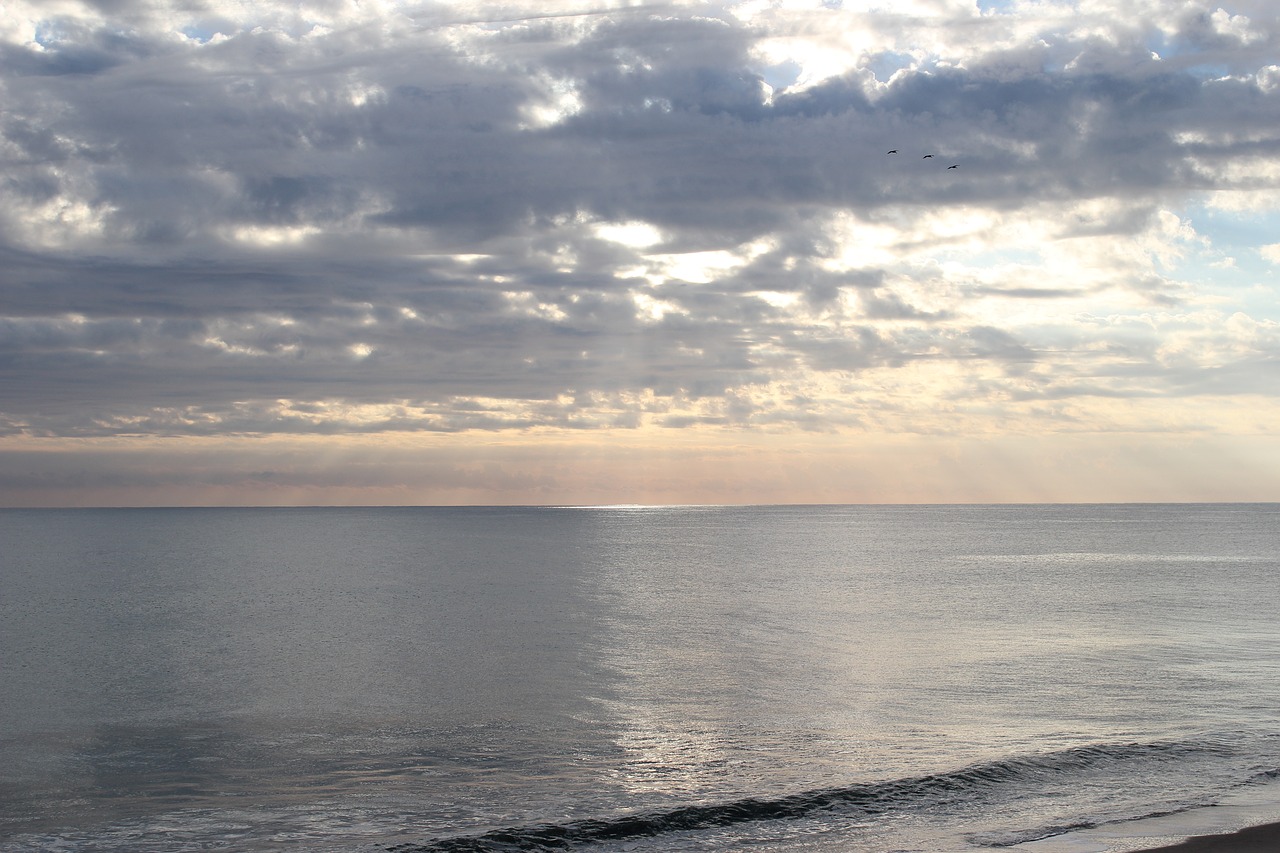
(1255, 839)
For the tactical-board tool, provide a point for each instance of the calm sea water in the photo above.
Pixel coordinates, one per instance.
(676, 679)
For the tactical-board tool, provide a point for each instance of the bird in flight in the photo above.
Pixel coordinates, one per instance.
(894, 151)
(956, 166)
(926, 157)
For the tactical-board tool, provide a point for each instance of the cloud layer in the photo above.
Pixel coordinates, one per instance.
(352, 217)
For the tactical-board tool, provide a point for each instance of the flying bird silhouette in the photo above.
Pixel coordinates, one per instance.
(926, 157)
(894, 151)
(956, 166)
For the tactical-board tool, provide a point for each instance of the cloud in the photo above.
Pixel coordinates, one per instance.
(330, 218)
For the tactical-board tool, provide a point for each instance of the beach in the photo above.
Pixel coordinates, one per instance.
(1254, 839)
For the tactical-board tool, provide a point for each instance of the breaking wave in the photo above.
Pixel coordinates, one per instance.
(863, 799)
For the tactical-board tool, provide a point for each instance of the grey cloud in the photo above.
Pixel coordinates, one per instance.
(88, 59)
(988, 342)
(887, 305)
(447, 155)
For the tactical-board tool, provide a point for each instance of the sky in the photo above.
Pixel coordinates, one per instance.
(347, 252)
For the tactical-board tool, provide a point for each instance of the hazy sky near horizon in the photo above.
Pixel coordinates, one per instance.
(591, 252)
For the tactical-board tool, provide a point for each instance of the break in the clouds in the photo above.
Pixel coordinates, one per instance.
(362, 217)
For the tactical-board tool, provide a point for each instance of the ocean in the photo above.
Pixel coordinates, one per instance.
(941, 679)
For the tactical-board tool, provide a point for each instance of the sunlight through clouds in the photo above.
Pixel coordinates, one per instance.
(693, 224)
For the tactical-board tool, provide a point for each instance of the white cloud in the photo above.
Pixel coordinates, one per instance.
(636, 235)
(1238, 27)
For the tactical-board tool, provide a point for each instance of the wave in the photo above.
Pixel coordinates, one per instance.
(1013, 839)
(864, 799)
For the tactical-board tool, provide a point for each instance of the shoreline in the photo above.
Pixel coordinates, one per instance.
(1246, 821)
(1264, 838)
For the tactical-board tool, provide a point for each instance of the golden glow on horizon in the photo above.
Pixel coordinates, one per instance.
(647, 468)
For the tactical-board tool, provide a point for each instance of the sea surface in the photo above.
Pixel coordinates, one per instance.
(827, 678)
